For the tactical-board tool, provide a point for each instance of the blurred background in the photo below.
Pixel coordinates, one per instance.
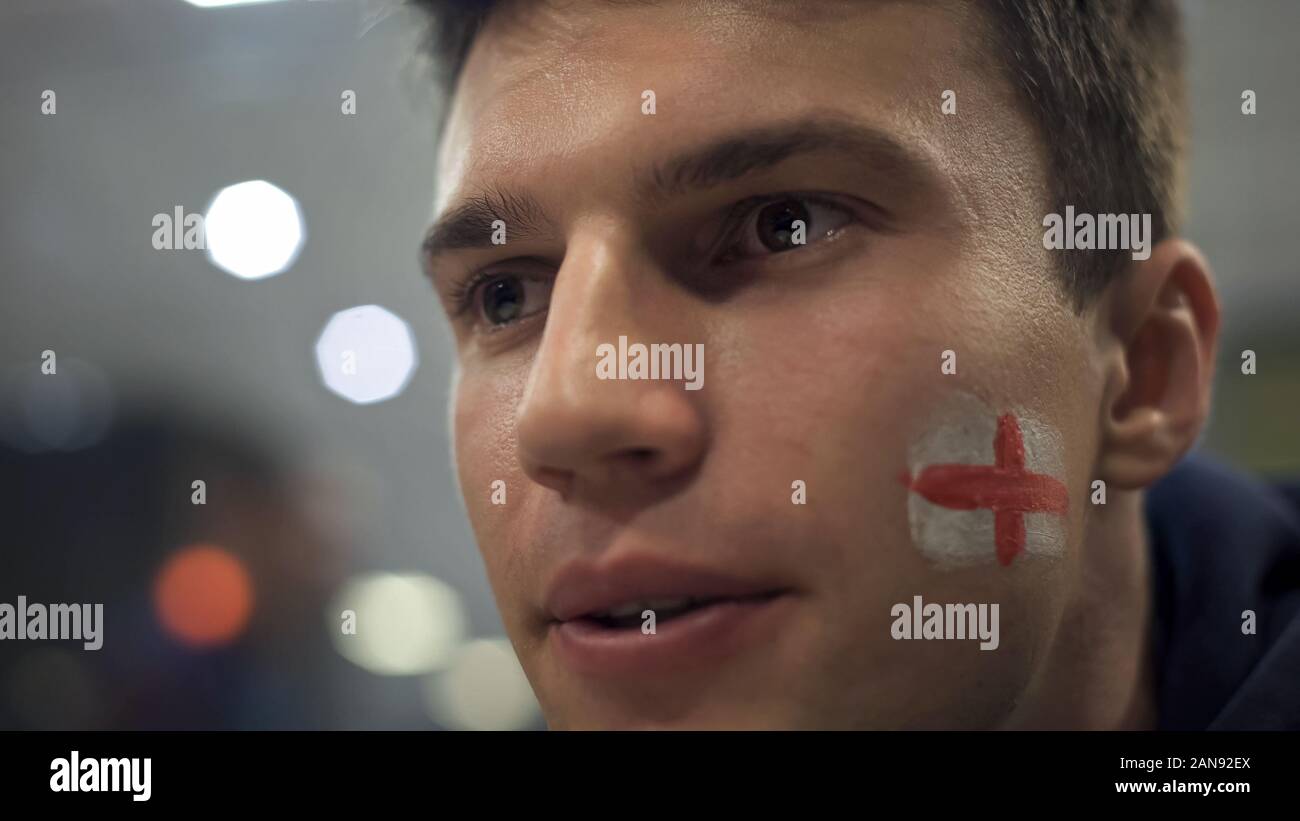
(235, 448)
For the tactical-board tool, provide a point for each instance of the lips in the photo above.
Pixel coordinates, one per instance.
(601, 615)
(584, 590)
(664, 610)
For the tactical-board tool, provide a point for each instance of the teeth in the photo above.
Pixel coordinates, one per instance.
(636, 608)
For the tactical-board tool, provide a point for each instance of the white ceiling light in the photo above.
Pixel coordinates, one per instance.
(216, 4)
(253, 229)
(402, 624)
(366, 354)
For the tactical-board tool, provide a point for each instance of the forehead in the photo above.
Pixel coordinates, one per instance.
(551, 90)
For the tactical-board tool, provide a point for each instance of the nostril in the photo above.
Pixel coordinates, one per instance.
(641, 460)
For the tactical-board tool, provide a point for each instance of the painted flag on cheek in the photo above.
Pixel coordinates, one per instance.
(986, 487)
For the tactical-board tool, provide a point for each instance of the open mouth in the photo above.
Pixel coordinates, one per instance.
(686, 632)
(634, 614)
(639, 614)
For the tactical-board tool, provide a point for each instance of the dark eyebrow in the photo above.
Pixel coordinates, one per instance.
(736, 155)
(469, 225)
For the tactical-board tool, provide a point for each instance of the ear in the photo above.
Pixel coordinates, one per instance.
(1160, 323)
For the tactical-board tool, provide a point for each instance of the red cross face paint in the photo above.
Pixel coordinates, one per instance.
(986, 486)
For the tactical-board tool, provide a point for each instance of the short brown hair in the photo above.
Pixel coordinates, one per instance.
(1103, 80)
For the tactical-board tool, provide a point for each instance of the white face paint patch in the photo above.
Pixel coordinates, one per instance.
(986, 486)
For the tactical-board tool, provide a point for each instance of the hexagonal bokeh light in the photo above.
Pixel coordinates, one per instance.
(66, 410)
(405, 624)
(253, 230)
(215, 4)
(366, 354)
(482, 688)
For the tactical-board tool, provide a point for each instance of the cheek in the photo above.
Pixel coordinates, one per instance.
(830, 405)
(1022, 351)
(484, 441)
(845, 398)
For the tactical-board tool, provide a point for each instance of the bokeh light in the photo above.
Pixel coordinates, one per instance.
(483, 689)
(253, 229)
(66, 410)
(405, 624)
(203, 596)
(366, 354)
(216, 4)
(52, 688)
(342, 496)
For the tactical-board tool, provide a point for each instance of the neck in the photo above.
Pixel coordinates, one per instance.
(1097, 674)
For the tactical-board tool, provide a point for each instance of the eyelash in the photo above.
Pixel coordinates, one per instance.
(738, 217)
(462, 293)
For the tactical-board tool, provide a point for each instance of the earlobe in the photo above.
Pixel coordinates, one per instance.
(1162, 325)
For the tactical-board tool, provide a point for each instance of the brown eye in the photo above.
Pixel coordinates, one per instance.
(503, 300)
(507, 298)
(775, 224)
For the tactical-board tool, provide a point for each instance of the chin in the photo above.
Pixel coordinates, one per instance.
(702, 717)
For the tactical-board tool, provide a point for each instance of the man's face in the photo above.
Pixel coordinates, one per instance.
(823, 363)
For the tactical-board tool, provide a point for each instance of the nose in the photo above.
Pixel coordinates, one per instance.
(579, 433)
